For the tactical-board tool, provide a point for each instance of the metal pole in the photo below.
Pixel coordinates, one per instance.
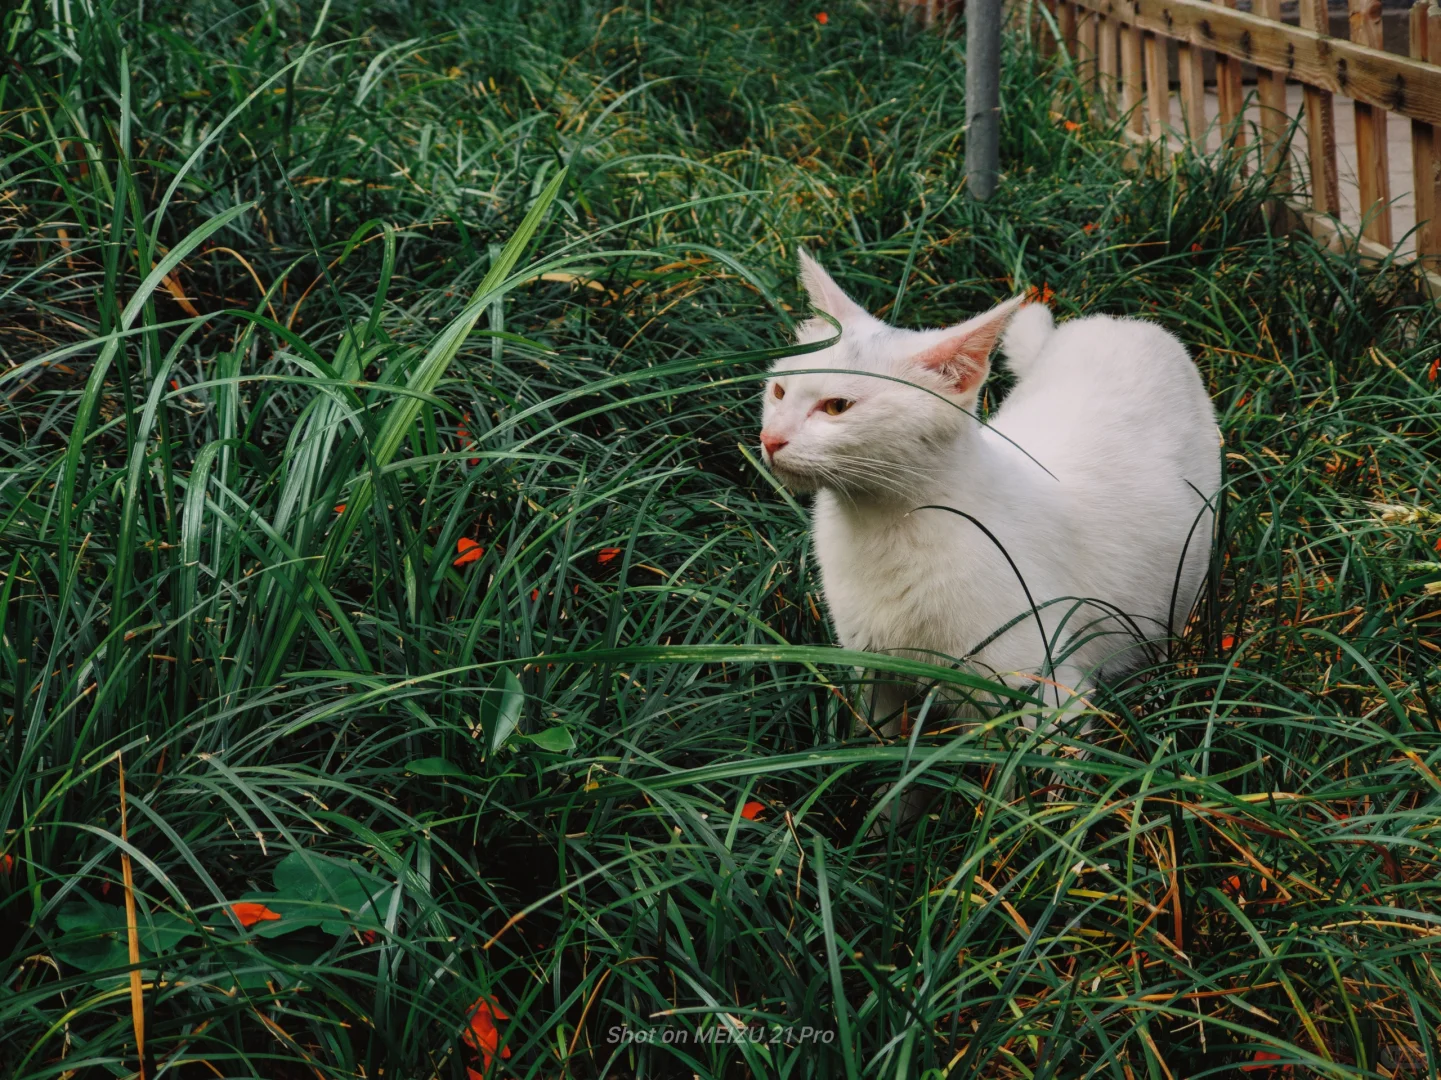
(983, 96)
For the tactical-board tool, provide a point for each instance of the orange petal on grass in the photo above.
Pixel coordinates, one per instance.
(1228, 641)
(1089, 227)
(605, 555)
(468, 551)
(751, 810)
(1071, 125)
(534, 595)
(7, 863)
(481, 1033)
(340, 508)
(249, 913)
(822, 18)
(1435, 369)
(1261, 1061)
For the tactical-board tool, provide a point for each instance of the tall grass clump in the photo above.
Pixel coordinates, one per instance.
(409, 670)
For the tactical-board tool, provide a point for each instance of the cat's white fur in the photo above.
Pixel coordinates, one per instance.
(1109, 506)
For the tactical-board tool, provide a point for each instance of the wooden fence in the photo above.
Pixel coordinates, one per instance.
(1120, 47)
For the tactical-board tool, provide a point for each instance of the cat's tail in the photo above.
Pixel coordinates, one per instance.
(1026, 336)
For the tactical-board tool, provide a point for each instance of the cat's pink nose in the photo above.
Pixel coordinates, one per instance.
(772, 443)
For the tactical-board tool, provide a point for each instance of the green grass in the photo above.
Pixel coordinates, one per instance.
(509, 273)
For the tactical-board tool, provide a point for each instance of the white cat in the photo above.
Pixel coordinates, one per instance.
(1096, 475)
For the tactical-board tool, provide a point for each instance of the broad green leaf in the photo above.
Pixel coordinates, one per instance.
(500, 709)
(434, 766)
(557, 739)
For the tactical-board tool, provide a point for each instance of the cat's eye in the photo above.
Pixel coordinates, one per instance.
(779, 391)
(836, 405)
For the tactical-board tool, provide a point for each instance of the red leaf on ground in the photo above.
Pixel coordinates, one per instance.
(751, 810)
(1261, 1060)
(250, 913)
(481, 1033)
(605, 555)
(468, 551)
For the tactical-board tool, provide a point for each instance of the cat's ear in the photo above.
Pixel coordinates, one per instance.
(963, 357)
(825, 294)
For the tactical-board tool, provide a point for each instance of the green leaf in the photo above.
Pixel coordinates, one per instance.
(316, 890)
(500, 709)
(557, 739)
(94, 938)
(161, 931)
(434, 766)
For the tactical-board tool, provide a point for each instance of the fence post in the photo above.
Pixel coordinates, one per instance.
(1271, 95)
(1373, 165)
(1426, 142)
(1321, 124)
(983, 96)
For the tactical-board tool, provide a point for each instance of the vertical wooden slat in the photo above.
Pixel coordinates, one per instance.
(1131, 82)
(1320, 124)
(1373, 166)
(1045, 40)
(1230, 97)
(1158, 85)
(1107, 67)
(1066, 17)
(1426, 142)
(1271, 99)
(1086, 48)
(1193, 93)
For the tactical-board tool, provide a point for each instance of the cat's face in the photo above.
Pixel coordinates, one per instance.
(892, 403)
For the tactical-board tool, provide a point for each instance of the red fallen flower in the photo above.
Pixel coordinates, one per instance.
(1089, 227)
(1043, 294)
(1071, 125)
(7, 863)
(370, 937)
(1195, 247)
(249, 913)
(751, 810)
(534, 595)
(469, 551)
(1232, 885)
(1261, 1061)
(1438, 545)
(481, 1033)
(175, 384)
(605, 555)
(340, 508)
(822, 18)
(1228, 641)
(1435, 369)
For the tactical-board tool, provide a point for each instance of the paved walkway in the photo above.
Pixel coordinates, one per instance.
(1398, 139)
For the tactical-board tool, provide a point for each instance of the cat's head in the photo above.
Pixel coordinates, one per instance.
(892, 404)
